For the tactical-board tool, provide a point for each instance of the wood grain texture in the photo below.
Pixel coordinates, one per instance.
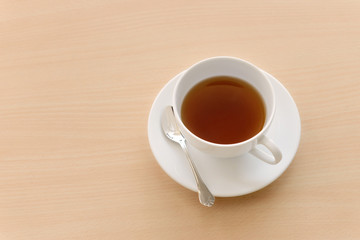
(77, 82)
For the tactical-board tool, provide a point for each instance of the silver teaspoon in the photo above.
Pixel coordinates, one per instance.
(172, 131)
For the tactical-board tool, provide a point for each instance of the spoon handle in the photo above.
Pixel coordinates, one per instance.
(205, 196)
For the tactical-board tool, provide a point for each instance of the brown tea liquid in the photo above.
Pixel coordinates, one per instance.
(223, 110)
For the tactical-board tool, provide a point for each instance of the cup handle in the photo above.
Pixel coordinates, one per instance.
(269, 144)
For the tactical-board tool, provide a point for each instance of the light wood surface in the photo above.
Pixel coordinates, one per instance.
(77, 82)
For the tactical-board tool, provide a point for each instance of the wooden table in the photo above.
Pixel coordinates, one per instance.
(77, 82)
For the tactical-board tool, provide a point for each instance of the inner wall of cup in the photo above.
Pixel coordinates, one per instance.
(225, 67)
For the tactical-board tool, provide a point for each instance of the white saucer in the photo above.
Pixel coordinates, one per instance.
(227, 177)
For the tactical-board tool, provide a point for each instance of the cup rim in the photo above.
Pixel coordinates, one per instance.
(226, 145)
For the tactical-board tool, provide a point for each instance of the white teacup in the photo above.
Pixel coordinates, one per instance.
(233, 67)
